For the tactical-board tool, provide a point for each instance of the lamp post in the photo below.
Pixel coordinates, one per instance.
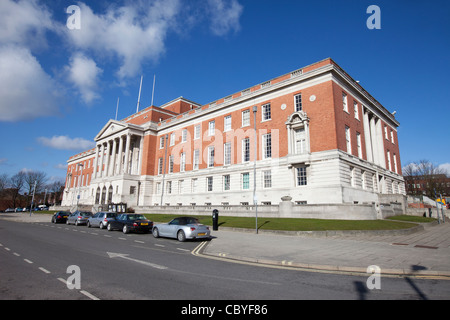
(79, 183)
(255, 200)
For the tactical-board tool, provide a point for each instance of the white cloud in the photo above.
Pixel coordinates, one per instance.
(445, 167)
(24, 22)
(26, 90)
(83, 74)
(60, 166)
(66, 143)
(224, 16)
(133, 33)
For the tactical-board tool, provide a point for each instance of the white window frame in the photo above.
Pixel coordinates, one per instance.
(358, 144)
(209, 184)
(227, 153)
(172, 139)
(183, 162)
(227, 123)
(197, 132)
(266, 112)
(356, 110)
(196, 160)
(267, 146)
(344, 101)
(246, 118)
(267, 179)
(226, 182)
(243, 181)
(210, 157)
(348, 139)
(245, 150)
(211, 128)
(301, 175)
(184, 135)
(298, 102)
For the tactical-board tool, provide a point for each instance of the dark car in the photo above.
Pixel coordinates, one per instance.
(60, 217)
(129, 222)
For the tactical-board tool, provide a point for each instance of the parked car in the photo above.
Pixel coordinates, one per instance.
(78, 217)
(101, 219)
(182, 228)
(10, 210)
(60, 217)
(128, 222)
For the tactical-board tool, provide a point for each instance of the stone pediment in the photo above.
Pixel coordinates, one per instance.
(114, 127)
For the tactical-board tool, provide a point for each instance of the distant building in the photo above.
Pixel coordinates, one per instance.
(321, 138)
(438, 184)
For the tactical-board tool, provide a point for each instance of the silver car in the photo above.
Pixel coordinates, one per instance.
(182, 228)
(78, 217)
(101, 219)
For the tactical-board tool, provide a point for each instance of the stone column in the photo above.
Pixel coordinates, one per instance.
(367, 138)
(108, 149)
(113, 159)
(102, 155)
(119, 155)
(96, 161)
(127, 154)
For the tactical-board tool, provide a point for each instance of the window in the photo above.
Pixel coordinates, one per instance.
(172, 139)
(209, 183)
(389, 160)
(267, 146)
(358, 143)
(210, 157)
(171, 164)
(344, 101)
(298, 102)
(347, 139)
(196, 158)
(392, 137)
(352, 177)
(169, 187)
(363, 179)
(246, 150)
(246, 181)
(245, 118)
(211, 128)
(386, 133)
(226, 182)
(301, 176)
(184, 135)
(158, 188)
(161, 142)
(227, 123)
(182, 162)
(194, 185)
(180, 186)
(355, 107)
(160, 165)
(197, 132)
(266, 112)
(395, 163)
(300, 141)
(267, 179)
(227, 153)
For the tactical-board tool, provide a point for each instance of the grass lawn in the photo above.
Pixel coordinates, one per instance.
(294, 224)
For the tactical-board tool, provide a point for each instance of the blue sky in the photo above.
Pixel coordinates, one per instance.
(59, 87)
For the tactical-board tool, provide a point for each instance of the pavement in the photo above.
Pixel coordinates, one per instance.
(422, 252)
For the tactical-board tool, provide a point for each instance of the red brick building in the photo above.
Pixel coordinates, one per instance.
(321, 138)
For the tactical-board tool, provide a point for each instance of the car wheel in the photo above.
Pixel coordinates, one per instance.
(109, 227)
(88, 224)
(125, 229)
(155, 232)
(76, 223)
(181, 236)
(100, 225)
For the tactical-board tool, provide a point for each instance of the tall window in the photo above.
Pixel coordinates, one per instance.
(196, 158)
(172, 139)
(389, 160)
(226, 182)
(267, 179)
(194, 185)
(246, 150)
(267, 146)
(266, 112)
(246, 181)
(211, 128)
(355, 108)
(300, 141)
(227, 123)
(301, 176)
(344, 101)
(347, 139)
(245, 118)
(209, 183)
(298, 102)
(184, 135)
(169, 187)
(197, 132)
(161, 142)
(160, 166)
(182, 162)
(227, 153)
(171, 164)
(210, 157)
(358, 143)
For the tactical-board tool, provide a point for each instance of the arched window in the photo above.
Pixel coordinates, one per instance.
(97, 196)
(104, 195)
(298, 133)
(110, 194)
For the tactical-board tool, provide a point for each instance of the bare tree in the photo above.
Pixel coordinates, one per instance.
(16, 184)
(424, 173)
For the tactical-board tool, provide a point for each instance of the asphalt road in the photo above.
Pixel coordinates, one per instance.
(35, 257)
